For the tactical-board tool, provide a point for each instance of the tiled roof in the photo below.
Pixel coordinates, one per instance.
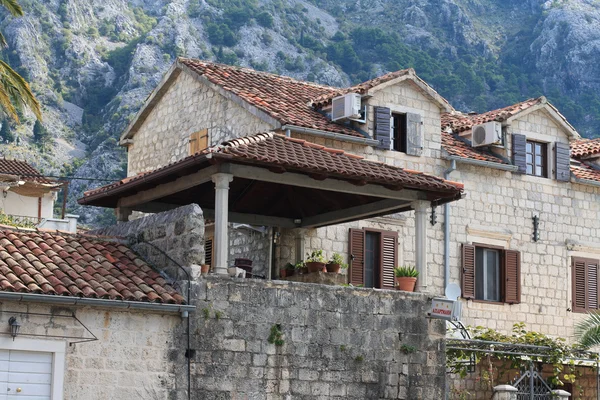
(283, 98)
(23, 170)
(75, 265)
(457, 147)
(361, 88)
(273, 150)
(585, 148)
(460, 122)
(583, 171)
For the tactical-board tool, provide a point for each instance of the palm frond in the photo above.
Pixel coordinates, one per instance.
(6, 104)
(18, 89)
(13, 7)
(587, 332)
(3, 41)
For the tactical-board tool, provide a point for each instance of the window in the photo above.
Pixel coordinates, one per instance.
(537, 159)
(198, 141)
(491, 274)
(585, 284)
(373, 256)
(208, 250)
(399, 130)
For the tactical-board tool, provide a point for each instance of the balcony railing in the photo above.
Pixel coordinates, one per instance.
(20, 220)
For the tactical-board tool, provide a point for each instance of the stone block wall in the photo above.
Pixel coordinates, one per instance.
(187, 107)
(138, 355)
(178, 233)
(337, 343)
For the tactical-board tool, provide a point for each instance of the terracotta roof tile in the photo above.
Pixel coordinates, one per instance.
(584, 171)
(271, 149)
(23, 170)
(283, 98)
(460, 122)
(455, 146)
(585, 148)
(74, 271)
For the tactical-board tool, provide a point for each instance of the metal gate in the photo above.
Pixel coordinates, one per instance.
(531, 386)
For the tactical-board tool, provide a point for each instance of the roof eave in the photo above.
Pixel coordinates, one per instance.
(585, 181)
(481, 163)
(554, 113)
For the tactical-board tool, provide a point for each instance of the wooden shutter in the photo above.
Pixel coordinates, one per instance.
(357, 257)
(389, 259)
(562, 162)
(414, 134)
(512, 277)
(198, 141)
(468, 271)
(519, 152)
(585, 284)
(208, 251)
(383, 131)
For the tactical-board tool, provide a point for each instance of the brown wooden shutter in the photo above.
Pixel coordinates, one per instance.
(468, 271)
(389, 257)
(198, 141)
(592, 284)
(512, 277)
(519, 152)
(208, 251)
(414, 134)
(357, 257)
(562, 162)
(579, 303)
(383, 131)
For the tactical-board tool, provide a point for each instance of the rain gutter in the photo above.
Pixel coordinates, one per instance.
(331, 135)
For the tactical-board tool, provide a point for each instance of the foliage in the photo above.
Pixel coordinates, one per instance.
(265, 19)
(408, 349)
(587, 331)
(556, 353)
(300, 264)
(336, 258)
(406, 271)
(41, 135)
(316, 256)
(6, 132)
(359, 358)
(276, 335)
(13, 221)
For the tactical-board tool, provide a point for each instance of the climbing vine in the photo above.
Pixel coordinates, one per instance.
(528, 347)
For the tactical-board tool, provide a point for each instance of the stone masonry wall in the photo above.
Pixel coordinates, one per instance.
(179, 233)
(338, 343)
(138, 355)
(187, 107)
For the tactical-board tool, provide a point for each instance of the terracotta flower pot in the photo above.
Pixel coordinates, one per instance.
(406, 283)
(283, 273)
(334, 268)
(315, 266)
(204, 268)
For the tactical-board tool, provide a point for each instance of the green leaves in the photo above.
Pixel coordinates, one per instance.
(587, 332)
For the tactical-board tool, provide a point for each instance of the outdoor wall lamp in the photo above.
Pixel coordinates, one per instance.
(14, 327)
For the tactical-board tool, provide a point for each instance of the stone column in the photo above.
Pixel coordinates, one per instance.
(505, 392)
(561, 394)
(420, 208)
(221, 238)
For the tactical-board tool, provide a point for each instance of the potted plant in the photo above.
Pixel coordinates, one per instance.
(316, 261)
(336, 263)
(205, 269)
(301, 267)
(406, 278)
(287, 270)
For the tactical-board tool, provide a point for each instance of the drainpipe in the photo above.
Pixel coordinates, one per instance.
(447, 229)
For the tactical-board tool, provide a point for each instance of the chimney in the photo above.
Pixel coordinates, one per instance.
(72, 222)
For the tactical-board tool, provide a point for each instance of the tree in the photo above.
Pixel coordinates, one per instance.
(14, 90)
(41, 136)
(587, 332)
(5, 132)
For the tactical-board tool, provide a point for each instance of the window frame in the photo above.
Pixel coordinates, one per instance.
(399, 134)
(586, 261)
(502, 273)
(383, 270)
(543, 154)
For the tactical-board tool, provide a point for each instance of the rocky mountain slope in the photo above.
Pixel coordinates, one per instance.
(92, 62)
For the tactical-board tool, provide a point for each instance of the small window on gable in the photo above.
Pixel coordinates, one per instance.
(399, 132)
(491, 274)
(198, 141)
(537, 158)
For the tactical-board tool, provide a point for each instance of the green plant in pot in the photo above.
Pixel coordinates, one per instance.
(301, 267)
(406, 278)
(316, 261)
(336, 262)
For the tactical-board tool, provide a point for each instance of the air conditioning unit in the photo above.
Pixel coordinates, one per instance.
(346, 107)
(486, 134)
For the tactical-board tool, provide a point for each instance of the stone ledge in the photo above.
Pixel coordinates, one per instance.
(323, 278)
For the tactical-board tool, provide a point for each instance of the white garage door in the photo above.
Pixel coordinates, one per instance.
(25, 375)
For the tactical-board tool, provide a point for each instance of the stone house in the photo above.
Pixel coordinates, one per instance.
(28, 197)
(524, 242)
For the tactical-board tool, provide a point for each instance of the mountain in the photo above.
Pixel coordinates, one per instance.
(92, 63)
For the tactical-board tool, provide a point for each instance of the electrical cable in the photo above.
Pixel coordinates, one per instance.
(59, 177)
